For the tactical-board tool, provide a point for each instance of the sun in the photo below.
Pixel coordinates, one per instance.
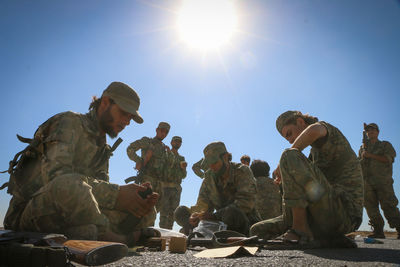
(207, 24)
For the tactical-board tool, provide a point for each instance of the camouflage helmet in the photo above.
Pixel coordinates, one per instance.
(282, 120)
(212, 153)
(125, 97)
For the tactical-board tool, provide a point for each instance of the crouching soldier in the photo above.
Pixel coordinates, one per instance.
(227, 194)
(322, 194)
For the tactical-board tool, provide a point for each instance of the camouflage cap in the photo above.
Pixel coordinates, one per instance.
(176, 138)
(164, 125)
(371, 125)
(212, 153)
(125, 97)
(284, 117)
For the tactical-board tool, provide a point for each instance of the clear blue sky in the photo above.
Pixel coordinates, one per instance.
(337, 60)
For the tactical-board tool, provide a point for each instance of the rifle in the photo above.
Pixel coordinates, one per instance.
(365, 138)
(127, 225)
(219, 242)
(42, 249)
(138, 179)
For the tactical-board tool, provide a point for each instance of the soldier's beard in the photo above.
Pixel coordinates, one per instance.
(221, 171)
(105, 122)
(176, 146)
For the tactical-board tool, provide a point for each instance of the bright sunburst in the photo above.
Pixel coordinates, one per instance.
(207, 24)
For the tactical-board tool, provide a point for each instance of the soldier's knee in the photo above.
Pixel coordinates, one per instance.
(182, 215)
(290, 154)
(255, 229)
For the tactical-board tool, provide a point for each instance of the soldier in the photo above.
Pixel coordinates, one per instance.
(377, 158)
(175, 172)
(322, 194)
(152, 162)
(269, 199)
(228, 188)
(245, 160)
(198, 169)
(61, 182)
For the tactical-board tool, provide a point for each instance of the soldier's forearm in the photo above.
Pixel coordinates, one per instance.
(379, 158)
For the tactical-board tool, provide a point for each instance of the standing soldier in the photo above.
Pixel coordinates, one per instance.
(151, 163)
(171, 186)
(377, 158)
(269, 199)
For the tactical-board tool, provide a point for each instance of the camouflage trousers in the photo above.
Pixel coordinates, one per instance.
(305, 186)
(272, 208)
(381, 194)
(170, 201)
(233, 217)
(68, 206)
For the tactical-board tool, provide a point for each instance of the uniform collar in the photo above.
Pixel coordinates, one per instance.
(92, 125)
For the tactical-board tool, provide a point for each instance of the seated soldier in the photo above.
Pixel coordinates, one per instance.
(322, 194)
(61, 183)
(269, 199)
(227, 193)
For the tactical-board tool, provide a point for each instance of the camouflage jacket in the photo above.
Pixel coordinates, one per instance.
(174, 172)
(336, 159)
(155, 167)
(198, 170)
(269, 199)
(67, 143)
(374, 171)
(239, 190)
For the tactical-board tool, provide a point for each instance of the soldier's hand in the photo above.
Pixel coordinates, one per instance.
(365, 154)
(147, 157)
(194, 219)
(129, 200)
(152, 198)
(138, 165)
(277, 176)
(207, 216)
(183, 164)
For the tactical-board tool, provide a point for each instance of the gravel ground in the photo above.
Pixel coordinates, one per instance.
(387, 254)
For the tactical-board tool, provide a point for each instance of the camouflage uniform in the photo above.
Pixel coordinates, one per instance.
(328, 183)
(154, 171)
(171, 189)
(378, 186)
(233, 201)
(198, 169)
(69, 187)
(269, 199)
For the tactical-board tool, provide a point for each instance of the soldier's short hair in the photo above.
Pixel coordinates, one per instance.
(260, 168)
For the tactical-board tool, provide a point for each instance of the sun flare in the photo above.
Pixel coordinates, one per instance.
(207, 24)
